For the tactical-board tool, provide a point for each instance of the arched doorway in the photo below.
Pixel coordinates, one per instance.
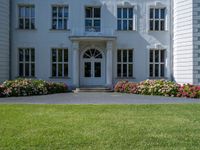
(92, 68)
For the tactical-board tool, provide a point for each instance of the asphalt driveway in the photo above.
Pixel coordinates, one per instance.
(96, 98)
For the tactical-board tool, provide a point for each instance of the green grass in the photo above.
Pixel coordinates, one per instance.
(99, 127)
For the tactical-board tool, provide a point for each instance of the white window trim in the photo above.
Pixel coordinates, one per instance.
(30, 17)
(57, 17)
(95, 6)
(57, 63)
(132, 63)
(24, 62)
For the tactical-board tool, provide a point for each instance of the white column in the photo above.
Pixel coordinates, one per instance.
(75, 66)
(109, 60)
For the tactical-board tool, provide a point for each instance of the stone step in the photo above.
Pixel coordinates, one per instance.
(92, 89)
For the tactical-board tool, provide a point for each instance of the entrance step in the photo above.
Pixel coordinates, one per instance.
(92, 89)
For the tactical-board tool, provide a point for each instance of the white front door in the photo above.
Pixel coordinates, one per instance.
(92, 68)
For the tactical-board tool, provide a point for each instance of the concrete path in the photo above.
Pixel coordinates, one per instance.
(95, 98)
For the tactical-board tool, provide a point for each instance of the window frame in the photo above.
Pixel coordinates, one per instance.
(122, 19)
(159, 19)
(125, 63)
(159, 63)
(24, 17)
(58, 18)
(24, 62)
(93, 19)
(63, 63)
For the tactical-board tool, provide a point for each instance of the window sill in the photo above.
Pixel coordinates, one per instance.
(150, 31)
(26, 29)
(59, 78)
(59, 30)
(25, 77)
(124, 78)
(125, 30)
(157, 78)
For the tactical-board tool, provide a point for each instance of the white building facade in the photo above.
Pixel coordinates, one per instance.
(99, 42)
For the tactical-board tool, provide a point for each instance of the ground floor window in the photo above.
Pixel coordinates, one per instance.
(157, 63)
(125, 63)
(26, 62)
(59, 62)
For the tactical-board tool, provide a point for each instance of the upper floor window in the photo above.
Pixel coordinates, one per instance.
(26, 62)
(157, 63)
(59, 62)
(125, 63)
(26, 18)
(93, 19)
(60, 17)
(125, 19)
(157, 19)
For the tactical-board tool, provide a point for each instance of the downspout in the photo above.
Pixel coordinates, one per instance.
(172, 38)
(10, 39)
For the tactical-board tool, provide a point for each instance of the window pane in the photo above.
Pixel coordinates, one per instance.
(130, 24)
(21, 12)
(151, 70)
(163, 13)
(151, 56)
(130, 70)
(130, 12)
(21, 69)
(27, 55)
(65, 55)
(162, 56)
(124, 55)
(21, 23)
(151, 13)
(156, 25)
(54, 11)
(130, 56)
(88, 12)
(27, 12)
(54, 70)
(21, 55)
(32, 55)
(66, 12)
(151, 25)
(125, 25)
(157, 13)
(88, 25)
(119, 13)
(124, 70)
(60, 11)
(54, 55)
(60, 24)
(119, 56)
(97, 68)
(125, 14)
(162, 25)
(66, 70)
(97, 12)
(119, 70)
(119, 25)
(157, 56)
(54, 24)
(60, 70)
(27, 69)
(97, 25)
(162, 72)
(65, 23)
(60, 55)
(87, 69)
(32, 70)
(27, 23)
(33, 12)
(32, 23)
(156, 70)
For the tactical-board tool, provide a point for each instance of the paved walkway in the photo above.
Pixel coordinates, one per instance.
(95, 98)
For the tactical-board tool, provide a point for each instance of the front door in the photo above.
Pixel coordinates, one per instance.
(92, 68)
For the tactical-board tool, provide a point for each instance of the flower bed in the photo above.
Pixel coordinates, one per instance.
(28, 87)
(158, 88)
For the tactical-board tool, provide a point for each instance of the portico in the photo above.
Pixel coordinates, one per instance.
(92, 61)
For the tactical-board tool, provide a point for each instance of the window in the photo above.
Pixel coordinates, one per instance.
(125, 19)
(157, 19)
(60, 17)
(26, 62)
(125, 63)
(93, 19)
(26, 18)
(156, 63)
(59, 62)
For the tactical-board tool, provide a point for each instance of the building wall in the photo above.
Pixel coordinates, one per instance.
(43, 38)
(4, 40)
(183, 41)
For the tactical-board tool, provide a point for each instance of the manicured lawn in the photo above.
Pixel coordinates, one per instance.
(99, 127)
